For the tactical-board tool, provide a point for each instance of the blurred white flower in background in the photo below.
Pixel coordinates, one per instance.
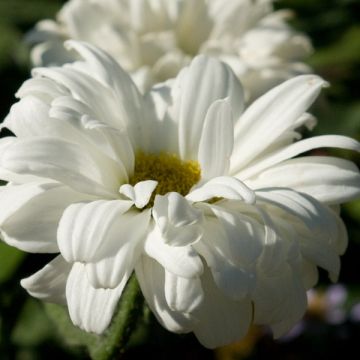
(201, 198)
(154, 39)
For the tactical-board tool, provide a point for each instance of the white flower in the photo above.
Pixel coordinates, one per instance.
(202, 199)
(154, 39)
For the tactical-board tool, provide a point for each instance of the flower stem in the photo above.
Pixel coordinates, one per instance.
(124, 322)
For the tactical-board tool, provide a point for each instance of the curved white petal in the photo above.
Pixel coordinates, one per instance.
(317, 142)
(321, 254)
(182, 294)
(129, 101)
(190, 32)
(315, 227)
(223, 186)
(31, 212)
(178, 221)
(327, 179)
(10, 176)
(30, 117)
(182, 261)
(310, 274)
(89, 308)
(86, 129)
(141, 193)
(86, 89)
(272, 115)
(41, 88)
(119, 253)
(205, 80)
(217, 140)
(279, 300)
(61, 161)
(48, 284)
(274, 248)
(236, 282)
(221, 320)
(241, 236)
(151, 277)
(86, 229)
(315, 215)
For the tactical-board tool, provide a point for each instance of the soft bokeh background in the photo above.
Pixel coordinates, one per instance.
(332, 326)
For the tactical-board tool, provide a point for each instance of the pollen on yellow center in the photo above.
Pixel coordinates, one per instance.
(171, 173)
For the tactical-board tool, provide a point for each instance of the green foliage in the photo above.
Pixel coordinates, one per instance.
(16, 17)
(10, 259)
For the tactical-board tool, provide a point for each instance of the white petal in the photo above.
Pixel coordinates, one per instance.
(222, 186)
(234, 281)
(48, 284)
(280, 300)
(316, 217)
(31, 213)
(90, 309)
(178, 221)
(191, 32)
(242, 236)
(332, 141)
(86, 89)
(119, 253)
(274, 248)
(140, 193)
(129, 99)
(317, 230)
(86, 229)
(272, 115)
(163, 133)
(321, 254)
(221, 320)
(40, 88)
(30, 117)
(196, 88)
(111, 141)
(58, 160)
(328, 179)
(10, 176)
(310, 274)
(217, 140)
(182, 294)
(182, 261)
(151, 277)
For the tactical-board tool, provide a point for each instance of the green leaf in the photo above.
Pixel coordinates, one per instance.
(346, 50)
(32, 317)
(10, 258)
(28, 11)
(353, 209)
(116, 338)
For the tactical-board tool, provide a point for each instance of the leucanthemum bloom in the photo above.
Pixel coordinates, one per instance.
(154, 39)
(201, 198)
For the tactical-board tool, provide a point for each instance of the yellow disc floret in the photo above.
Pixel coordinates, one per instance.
(171, 173)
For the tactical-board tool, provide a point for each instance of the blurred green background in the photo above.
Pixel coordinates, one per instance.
(27, 332)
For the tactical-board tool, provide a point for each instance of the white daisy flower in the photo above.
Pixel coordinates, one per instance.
(154, 39)
(201, 198)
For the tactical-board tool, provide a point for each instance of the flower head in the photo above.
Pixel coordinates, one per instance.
(154, 39)
(201, 198)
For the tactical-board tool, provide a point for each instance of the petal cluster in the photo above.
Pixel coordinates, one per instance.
(154, 39)
(241, 247)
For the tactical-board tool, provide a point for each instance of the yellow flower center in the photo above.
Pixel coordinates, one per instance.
(171, 173)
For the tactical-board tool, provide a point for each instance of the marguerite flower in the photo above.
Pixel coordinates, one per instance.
(154, 39)
(201, 198)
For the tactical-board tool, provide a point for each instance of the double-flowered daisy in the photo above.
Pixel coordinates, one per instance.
(213, 206)
(154, 39)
